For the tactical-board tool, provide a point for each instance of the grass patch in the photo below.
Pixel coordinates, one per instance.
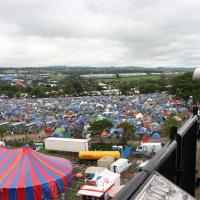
(71, 192)
(58, 78)
(127, 79)
(48, 152)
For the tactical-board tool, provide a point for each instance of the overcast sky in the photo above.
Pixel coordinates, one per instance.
(146, 33)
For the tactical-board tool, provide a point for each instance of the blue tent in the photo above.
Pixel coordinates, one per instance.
(33, 117)
(40, 123)
(15, 80)
(122, 116)
(62, 122)
(159, 118)
(57, 134)
(6, 78)
(84, 133)
(116, 121)
(141, 130)
(155, 135)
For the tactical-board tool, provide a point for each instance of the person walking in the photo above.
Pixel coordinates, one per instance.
(139, 138)
(26, 139)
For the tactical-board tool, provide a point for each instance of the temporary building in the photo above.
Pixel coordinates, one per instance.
(90, 171)
(105, 161)
(28, 175)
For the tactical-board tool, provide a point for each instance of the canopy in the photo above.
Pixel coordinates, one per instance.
(28, 175)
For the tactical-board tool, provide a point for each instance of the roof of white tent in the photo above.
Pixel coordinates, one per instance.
(101, 185)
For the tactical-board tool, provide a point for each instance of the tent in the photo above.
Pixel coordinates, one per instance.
(29, 175)
(139, 115)
(57, 134)
(155, 135)
(6, 78)
(60, 130)
(142, 131)
(154, 126)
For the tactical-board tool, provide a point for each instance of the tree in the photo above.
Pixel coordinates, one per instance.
(128, 129)
(98, 126)
(38, 92)
(183, 87)
(99, 88)
(168, 123)
(124, 89)
(2, 131)
(77, 87)
(68, 89)
(117, 76)
(10, 94)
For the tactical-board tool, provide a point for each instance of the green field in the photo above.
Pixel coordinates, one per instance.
(58, 78)
(127, 79)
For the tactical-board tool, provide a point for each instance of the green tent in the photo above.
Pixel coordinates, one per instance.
(100, 118)
(60, 130)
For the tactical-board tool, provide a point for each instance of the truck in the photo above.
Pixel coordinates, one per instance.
(120, 166)
(150, 147)
(91, 157)
(67, 145)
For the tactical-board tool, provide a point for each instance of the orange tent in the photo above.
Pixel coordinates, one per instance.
(104, 134)
(19, 83)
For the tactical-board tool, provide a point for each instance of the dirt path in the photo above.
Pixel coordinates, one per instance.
(32, 136)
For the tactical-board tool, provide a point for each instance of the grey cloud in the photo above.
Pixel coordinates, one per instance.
(100, 33)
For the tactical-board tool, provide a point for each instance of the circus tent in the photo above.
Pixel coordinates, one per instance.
(28, 175)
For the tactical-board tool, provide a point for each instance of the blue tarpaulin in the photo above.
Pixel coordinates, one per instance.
(126, 152)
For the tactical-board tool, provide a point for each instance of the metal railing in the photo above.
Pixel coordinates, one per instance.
(176, 161)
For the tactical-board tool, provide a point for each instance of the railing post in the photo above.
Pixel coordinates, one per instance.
(195, 110)
(179, 171)
(173, 132)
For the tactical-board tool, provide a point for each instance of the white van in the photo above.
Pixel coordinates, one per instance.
(150, 147)
(119, 166)
(141, 165)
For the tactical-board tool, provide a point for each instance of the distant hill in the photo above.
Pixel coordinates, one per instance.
(92, 69)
